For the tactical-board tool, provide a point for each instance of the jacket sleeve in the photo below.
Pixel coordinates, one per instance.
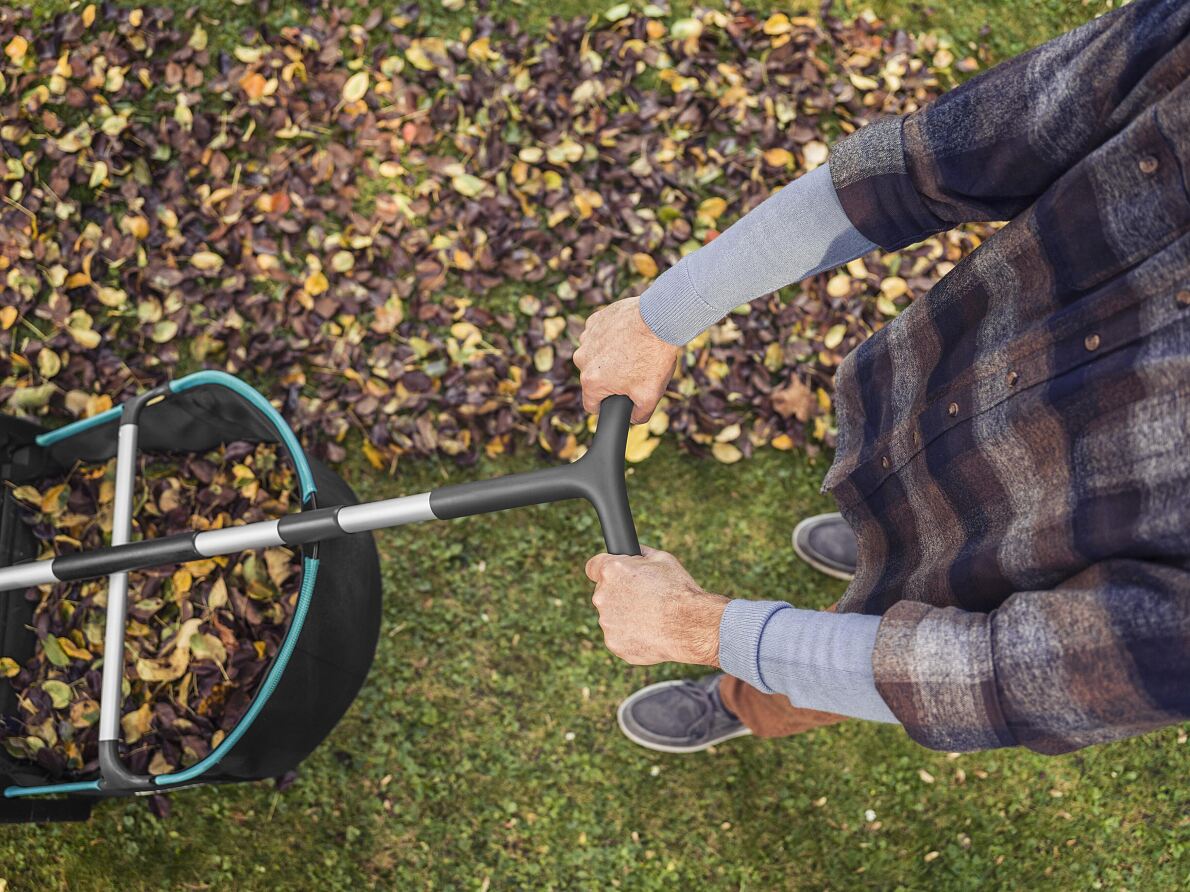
(1104, 656)
(987, 149)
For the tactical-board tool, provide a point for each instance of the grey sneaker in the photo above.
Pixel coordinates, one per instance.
(826, 543)
(679, 716)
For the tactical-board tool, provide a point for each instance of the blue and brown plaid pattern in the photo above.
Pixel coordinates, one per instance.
(1014, 449)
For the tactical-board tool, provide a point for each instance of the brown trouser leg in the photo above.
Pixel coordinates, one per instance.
(771, 715)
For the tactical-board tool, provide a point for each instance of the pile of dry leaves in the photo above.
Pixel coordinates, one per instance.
(399, 234)
(199, 637)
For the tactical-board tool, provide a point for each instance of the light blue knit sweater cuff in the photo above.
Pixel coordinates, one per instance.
(797, 232)
(819, 660)
(740, 631)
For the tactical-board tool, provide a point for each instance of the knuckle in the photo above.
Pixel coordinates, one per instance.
(616, 570)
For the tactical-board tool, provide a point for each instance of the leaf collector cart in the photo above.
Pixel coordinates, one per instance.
(331, 637)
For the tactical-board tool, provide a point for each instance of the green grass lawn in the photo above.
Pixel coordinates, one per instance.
(483, 752)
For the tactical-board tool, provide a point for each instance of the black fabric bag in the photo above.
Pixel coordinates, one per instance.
(329, 645)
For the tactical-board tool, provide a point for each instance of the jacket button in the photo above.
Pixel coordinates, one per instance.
(952, 410)
(1091, 342)
(884, 463)
(1148, 164)
(916, 438)
(1012, 378)
(1184, 297)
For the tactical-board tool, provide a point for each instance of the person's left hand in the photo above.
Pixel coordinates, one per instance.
(652, 611)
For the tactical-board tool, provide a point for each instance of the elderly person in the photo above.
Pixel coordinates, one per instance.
(1013, 462)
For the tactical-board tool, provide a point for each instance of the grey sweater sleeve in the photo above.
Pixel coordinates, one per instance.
(818, 660)
(799, 231)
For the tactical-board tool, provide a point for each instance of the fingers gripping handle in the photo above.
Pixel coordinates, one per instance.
(597, 477)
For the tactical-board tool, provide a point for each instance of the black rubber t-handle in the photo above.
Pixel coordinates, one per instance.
(597, 477)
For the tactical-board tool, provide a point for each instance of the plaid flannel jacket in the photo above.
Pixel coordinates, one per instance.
(1014, 449)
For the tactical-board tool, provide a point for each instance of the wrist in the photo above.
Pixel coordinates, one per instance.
(645, 331)
(699, 620)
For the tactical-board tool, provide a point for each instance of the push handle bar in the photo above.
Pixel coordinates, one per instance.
(597, 477)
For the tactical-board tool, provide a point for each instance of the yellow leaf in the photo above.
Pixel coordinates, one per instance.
(481, 50)
(137, 723)
(839, 286)
(89, 15)
(208, 647)
(60, 693)
(87, 338)
(49, 363)
(417, 57)
(111, 297)
(659, 422)
(834, 337)
(253, 85)
(54, 499)
(729, 433)
(468, 185)
(543, 358)
(778, 23)
(712, 208)
(374, 456)
(16, 49)
(172, 668)
(74, 651)
(8, 317)
(97, 405)
(279, 563)
(784, 442)
(640, 445)
(645, 265)
(98, 175)
(778, 157)
(136, 226)
(815, 153)
(316, 283)
(207, 261)
(586, 201)
(356, 87)
(217, 597)
(686, 29)
(727, 453)
(894, 287)
(183, 580)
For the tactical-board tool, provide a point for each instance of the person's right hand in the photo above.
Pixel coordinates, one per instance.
(618, 353)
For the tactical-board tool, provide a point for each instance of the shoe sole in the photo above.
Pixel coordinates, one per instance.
(661, 747)
(833, 572)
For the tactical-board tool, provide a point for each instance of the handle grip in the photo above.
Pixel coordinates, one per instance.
(597, 477)
(611, 503)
